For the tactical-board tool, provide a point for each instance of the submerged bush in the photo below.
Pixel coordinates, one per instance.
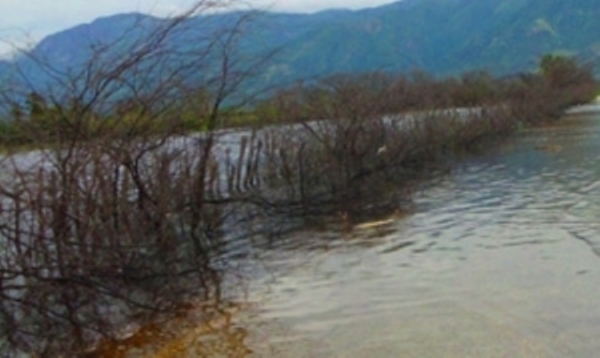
(120, 218)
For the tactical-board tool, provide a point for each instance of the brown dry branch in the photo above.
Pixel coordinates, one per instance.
(121, 216)
(360, 141)
(116, 220)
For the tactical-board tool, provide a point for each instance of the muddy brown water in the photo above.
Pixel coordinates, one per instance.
(499, 259)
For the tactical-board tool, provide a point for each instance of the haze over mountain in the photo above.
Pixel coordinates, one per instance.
(443, 37)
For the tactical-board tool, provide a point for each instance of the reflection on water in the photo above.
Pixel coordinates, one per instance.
(499, 259)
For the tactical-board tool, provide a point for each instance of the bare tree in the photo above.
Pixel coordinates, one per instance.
(360, 141)
(118, 218)
(110, 223)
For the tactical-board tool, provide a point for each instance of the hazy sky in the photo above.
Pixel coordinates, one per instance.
(27, 21)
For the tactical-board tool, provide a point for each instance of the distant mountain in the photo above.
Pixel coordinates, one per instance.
(449, 36)
(443, 37)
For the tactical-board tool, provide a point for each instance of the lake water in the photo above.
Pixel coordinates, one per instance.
(501, 258)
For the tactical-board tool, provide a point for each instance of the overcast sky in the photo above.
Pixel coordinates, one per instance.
(27, 21)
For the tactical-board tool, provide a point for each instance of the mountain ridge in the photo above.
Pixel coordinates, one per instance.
(442, 37)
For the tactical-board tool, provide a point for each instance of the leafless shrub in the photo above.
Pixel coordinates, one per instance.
(359, 138)
(117, 219)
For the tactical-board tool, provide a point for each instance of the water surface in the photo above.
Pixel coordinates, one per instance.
(499, 259)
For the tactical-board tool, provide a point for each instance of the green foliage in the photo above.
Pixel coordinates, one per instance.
(36, 105)
(561, 71)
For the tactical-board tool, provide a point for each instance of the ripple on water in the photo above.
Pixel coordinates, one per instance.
(498, 260)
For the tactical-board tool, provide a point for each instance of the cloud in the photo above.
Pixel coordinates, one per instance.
(316, 5)
(23, 23)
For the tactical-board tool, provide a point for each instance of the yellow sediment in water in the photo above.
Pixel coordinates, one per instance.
(200, 331)
(374, 224)
(383, 222)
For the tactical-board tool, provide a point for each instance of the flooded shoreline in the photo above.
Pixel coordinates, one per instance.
(499, 258)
